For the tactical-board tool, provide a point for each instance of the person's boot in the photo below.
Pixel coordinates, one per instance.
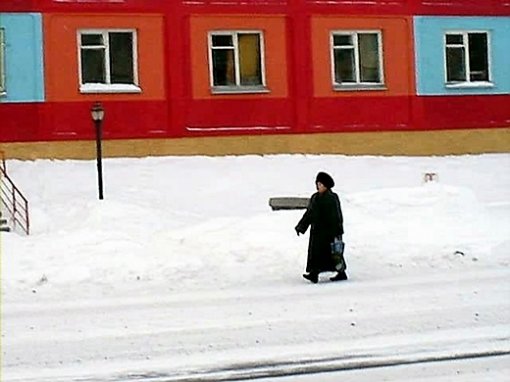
(313, 277)
(340, 276)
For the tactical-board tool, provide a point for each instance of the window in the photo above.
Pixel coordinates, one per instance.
(467, 58)
(357, 59)
(2, 61)
(236, 61)
(108, 61)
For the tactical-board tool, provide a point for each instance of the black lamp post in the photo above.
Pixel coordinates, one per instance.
(97, 113)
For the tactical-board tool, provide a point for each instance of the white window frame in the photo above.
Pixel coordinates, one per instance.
(3, 89)
(238, 88)
(108, 87)
(465, 44)
(358, 85)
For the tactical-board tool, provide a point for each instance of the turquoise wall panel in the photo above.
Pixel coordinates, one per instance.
(23, 57)
(430, 53)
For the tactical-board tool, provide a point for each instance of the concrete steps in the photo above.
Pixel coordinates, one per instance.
(4, 224)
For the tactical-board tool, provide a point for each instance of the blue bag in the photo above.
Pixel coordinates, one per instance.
(337, 251)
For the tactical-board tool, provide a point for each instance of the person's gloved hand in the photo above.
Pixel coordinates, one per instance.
(297, 231)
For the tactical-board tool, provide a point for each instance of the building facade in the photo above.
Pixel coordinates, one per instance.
(262, 76)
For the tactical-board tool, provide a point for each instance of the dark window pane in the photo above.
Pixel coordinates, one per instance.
(344, 66)
(223, 67)
(222, 40)
(454, 39)
(2, 64)
(478, 57)
(369, 57)
(342, 40)
(92, 66)
(455, 65)
(91, 39)
(121, 58)
(249, 59)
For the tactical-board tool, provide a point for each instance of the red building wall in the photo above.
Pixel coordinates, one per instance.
(176, 100)
(129, 114)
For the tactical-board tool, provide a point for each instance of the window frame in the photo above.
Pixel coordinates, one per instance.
(467, 83)
(238, 88)
(108, 87)
(3, 74)
(358, 85)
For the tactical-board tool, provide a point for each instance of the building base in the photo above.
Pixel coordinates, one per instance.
(407, 143)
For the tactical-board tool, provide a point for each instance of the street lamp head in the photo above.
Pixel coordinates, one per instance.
(97, 112)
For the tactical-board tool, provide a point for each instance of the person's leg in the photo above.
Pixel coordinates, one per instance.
(312, 276)
(339, 276)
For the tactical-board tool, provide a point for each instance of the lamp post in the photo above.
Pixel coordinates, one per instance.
(97, 113)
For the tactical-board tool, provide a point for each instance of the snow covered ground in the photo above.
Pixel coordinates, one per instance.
(183, 270)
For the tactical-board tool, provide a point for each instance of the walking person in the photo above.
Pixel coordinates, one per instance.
(324, 216)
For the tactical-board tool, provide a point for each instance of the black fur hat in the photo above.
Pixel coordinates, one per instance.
(325, 179)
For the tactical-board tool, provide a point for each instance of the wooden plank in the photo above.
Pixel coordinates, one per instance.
(288, 203)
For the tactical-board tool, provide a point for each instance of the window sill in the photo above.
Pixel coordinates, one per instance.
(239, 90)
(107, 88)
(359, 87)
(470, 85)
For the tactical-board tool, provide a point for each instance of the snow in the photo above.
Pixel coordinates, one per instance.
(471, 84)
(184, 267)
(109, 88)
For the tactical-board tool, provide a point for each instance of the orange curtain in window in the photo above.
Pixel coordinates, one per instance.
(249, 59)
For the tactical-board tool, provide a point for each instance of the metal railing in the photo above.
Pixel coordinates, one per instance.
(13, 201)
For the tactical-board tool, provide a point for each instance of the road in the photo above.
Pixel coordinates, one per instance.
(486, 369)
(295, 327)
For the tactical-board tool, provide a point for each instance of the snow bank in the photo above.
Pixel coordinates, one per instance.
(200, 222)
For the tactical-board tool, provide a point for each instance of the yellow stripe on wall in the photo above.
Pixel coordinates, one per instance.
(442, 142)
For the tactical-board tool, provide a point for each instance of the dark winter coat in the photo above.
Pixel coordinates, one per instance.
(324, 215)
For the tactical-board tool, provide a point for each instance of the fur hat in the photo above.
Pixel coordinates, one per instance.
(325, 179)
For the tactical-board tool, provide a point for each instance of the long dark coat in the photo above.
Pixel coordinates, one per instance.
(324, 215)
